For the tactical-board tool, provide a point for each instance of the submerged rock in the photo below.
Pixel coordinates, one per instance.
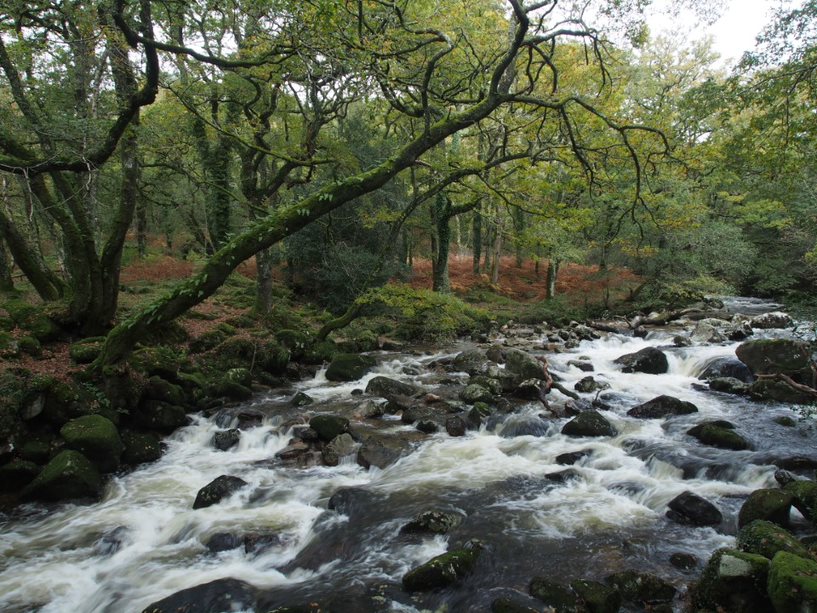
(662, 406)
(692, 510)
(648, 360)
(597, 597)
(589, 423)
(443, 570)
(766, 504)
(727, 367)
(572, 457)
(219, 488)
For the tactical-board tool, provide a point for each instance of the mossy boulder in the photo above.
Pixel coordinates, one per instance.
(349, 367)
(208, 340)
(160, 361)
(443, 570)
(69, 475)
(34, 320)
(329, 426)
(474, 393)
(87, 350)
(159, 389)
(641, 588)
(233, 384)
(777, 356)
(557, 597)
(388, 388)
(793, 583)
(524, 365)
(97, 438)
(17, 474)
(589, 423)
(720, 434)
(159, 416)
(767, 504)
(766, 539)
(433, 522)
(597, 597)
(30, 346)
(140, 447)
(805, 497)
(296, 342)
(733, 581)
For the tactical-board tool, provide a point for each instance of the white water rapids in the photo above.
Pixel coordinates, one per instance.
(143, 541)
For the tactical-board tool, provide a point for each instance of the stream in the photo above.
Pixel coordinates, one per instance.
(143, 541)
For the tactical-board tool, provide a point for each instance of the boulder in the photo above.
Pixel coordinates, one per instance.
(729, 385)
(455, 426)
(339, 447)
(301, 399)
(589, 423)
(692, 510)
(769, 390)
(719, 434)
(219, 488)
(223, 541)
(524, 365)
(432, 522)
(766, 504)
(793, 583)
(69, 475)
(427, 426)
(641, 588)
(160, 416)
(648, 360)
(511, 605)
(443, 570)
(597, 597)
(733, 581)
(95, 437)
(662, 406)
(771, 321)
(349, 367)
(708, 331)
(727, 367)
(766, 539)
(588, 385)
(583, 365)
(226, 439)
(157, 388)
(805, 497)
(475, 393)
(556, 597)
(683, 561)
(140, 447)
(474, 362)
(573, 457)
(17, 474)
(381, 453)
(329, 426)
(213, 597)
(777, 356)
(387, 388)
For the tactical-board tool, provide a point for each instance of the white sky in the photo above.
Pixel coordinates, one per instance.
(733, 33)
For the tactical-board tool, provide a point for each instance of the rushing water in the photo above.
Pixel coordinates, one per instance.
(143, 541)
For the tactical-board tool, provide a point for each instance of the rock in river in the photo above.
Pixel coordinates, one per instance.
(589, 423)
(692, 510)
(662, 406)
(648, 360)
(218, 489)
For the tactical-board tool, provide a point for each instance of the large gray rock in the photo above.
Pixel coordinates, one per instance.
(524, 365)
(388, 388)
(727, 367)
(777, 356)
(692, 510)
(474, 362)
(648, 360)
(773, 320)
(662, 406)
(708, 331)
(589, 423)
(339, 447)
(329, 426)
(218, 489)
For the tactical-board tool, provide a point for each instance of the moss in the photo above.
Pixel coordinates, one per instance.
(9, 346)
(766, 539)
(140, 447)
(87, 350)
(17, 474)
(805, 497)
(69, 475)
(596, 597)
(793, 583)
(442, 571)
(162, 361)
(733, 581)
(97, 438)
(717, 435)
(30, 346)
(768, 504)
(349, 367)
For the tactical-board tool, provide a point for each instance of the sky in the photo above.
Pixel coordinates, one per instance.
(733, 33)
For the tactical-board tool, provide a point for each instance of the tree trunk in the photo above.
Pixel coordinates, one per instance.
(441, 279)
(519, 228)
(553, 272)
(6, 282)
(264, 261)
(47, 285)
(142, 228)
(497, 255)
(477, 238)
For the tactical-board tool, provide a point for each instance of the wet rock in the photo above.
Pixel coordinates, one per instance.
(329, 426)
(641, 588)
(256, 543)
(727, 367)
(223, 541)
(111, 541)
(573, 457)
(662, 406)
(766, 504)
(805, 496)
(16, 474)
(769, 390)
(524, 425)
(443, 570)
(785, 421)
(597, 597)
(301, 399)
(708, 331)
(648, 360)
(792, 583)
(140, 447)
(455, 426)
(381, 453)
(683, 561)
(248, 418)
(387, 388)
(588, 385)
(589, 423)
(349, 367)
(299, 454)
(563, 476)
(582, 365)
(155, 415)
(492, 385)
(214, 597)
(226, 439)
(558, 597)
(475, 393)
(733, 581)
(419, 412)
(529, 389)
(783, 477)
(771, 321)
(432, 522)
(729, 385)
(339, 447)
(720, 434)
(426, 426)
(95, 437)
(306, 434)
(474, 362)
(478, 414)
(692, 510)
(510, 605)
(777, 356)
(524, 365)
(681, 341)
(575, 407)
(765, 539)
(69, 475)
(219, 488)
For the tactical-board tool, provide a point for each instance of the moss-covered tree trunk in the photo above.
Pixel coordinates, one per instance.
(6, 282)
(552, 273)
(476, 229)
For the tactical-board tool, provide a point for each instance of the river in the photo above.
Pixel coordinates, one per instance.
(143, 541)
